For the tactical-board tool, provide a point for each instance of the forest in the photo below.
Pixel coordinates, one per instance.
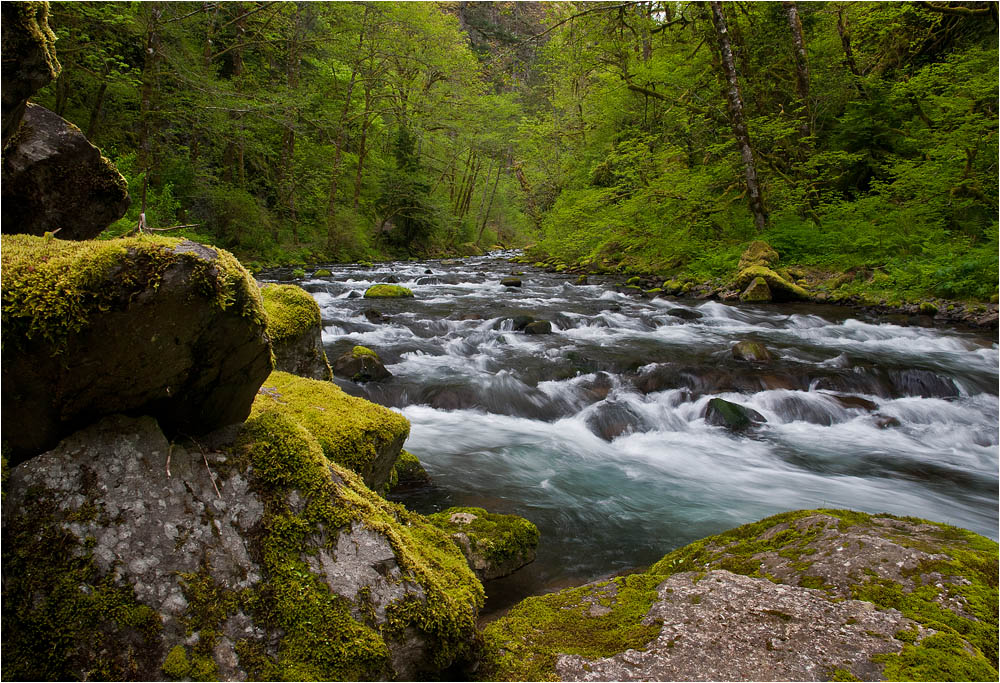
(629, 137)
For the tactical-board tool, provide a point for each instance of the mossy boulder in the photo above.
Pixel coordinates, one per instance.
(538, 327)
(54, 179)
(388, 292)
(805, 595)
(322, 272)
(494, 545)
(352, 432)
(780, 288)
(360, 364)
(409, 473)
(757, 292)
(154, 326)
(128, 557)
(758, 253)
(751, 351)
(29, 58)
(295, 326)
(733, 416)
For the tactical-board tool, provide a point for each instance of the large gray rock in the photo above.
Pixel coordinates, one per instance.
(54, 179)
(139, 326)
(29, 58)
(128, 557)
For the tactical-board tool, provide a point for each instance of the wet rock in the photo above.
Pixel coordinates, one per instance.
(886, 421)
(133, 535)
(685, 314)
(511, 282)
(751, 351)
(409, 473)
(722, 413)
(756, 292)
(428, 272)
(519, 322)
(611, 419)
(388, 292)
(582, 280)
(354, 294)
(54, 179)
(295, 326)
(429, 281)
(360, 364)
(29, 59)
(375, 317)
(494, 545)
(322, 272)
(848, 401)
(827, 612)
(538, 327)
(598, 388)
(171, 329)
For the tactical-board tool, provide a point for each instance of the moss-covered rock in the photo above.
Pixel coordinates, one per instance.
(54, 179)
(409, 473)
(495, 545)
(164, 327)
(360, 364)
(322, 272)
(388, 292)
(806, 595)
(361, 436)
(757, 292)
(752, 351)
(758, 253)
(295, 326)
(723, 413)
(29, 58)
(260, 560)
(781, 289)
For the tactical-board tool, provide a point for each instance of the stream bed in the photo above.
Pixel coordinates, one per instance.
(596, 432)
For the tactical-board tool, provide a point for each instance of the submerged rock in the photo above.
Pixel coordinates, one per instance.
(723, 413)
(295, 326)
(848, 596)
(494, 545)
(360, 364)
(685, 314)
(611, 419)
(754, 352)
(54, 179)
(127, 557)
(162, 327)
(538, 327)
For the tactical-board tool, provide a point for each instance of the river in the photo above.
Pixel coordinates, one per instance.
(596, 432)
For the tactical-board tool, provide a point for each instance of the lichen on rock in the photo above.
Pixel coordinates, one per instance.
(361, 436)
(295, 325)
(495, 545)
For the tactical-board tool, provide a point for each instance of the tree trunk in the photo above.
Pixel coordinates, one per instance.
(482, 200)
(489, 207)
(845, 41)
(735, 101)
(95, 112)
(149, 78)
(801, 64)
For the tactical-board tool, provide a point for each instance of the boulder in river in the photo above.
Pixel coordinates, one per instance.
(848, 596)
(54, 179)
(130, 557)
(408, 473)
(538, 327)
(295, 326)
(752, 351)
(685, 314)
(494, 545)
(29, 58)
(144, 326)
(388, 292)
(756, 292)
(611, 419)
(511, 282)
(723, 413)
(361, 364)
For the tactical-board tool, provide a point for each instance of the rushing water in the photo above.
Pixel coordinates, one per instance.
(597, 434)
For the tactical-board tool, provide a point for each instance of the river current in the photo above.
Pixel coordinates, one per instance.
(596, 432)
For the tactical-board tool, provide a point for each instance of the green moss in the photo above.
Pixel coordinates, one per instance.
(62, 616)
(408, 471)
(781, 289)
(299, 272)
(497, 538)
(362, 351)
(843, 675)
(322, 272)
(939, 657)
(52, 288)
(758, 253)
(524, 644)
(387, 292)
(350, 431)
(291, 312)
(176, 666)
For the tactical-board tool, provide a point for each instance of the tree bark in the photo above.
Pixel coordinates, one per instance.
(801, 64)
(845, 41)
(489, 207)
(735, 101)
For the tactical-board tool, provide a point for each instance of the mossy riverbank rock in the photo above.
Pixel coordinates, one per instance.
(295, 326)
(352, 432)
(409, 473)
(128, 557)
(780, 288)
(29, 58)
(806, 595)
(758, 253)
(388, 292)
(153, 326)
(757, 292)
(495, 545)
(54, 179)
(360, 364)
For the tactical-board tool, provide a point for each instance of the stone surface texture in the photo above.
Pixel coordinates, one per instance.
(29, 58)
